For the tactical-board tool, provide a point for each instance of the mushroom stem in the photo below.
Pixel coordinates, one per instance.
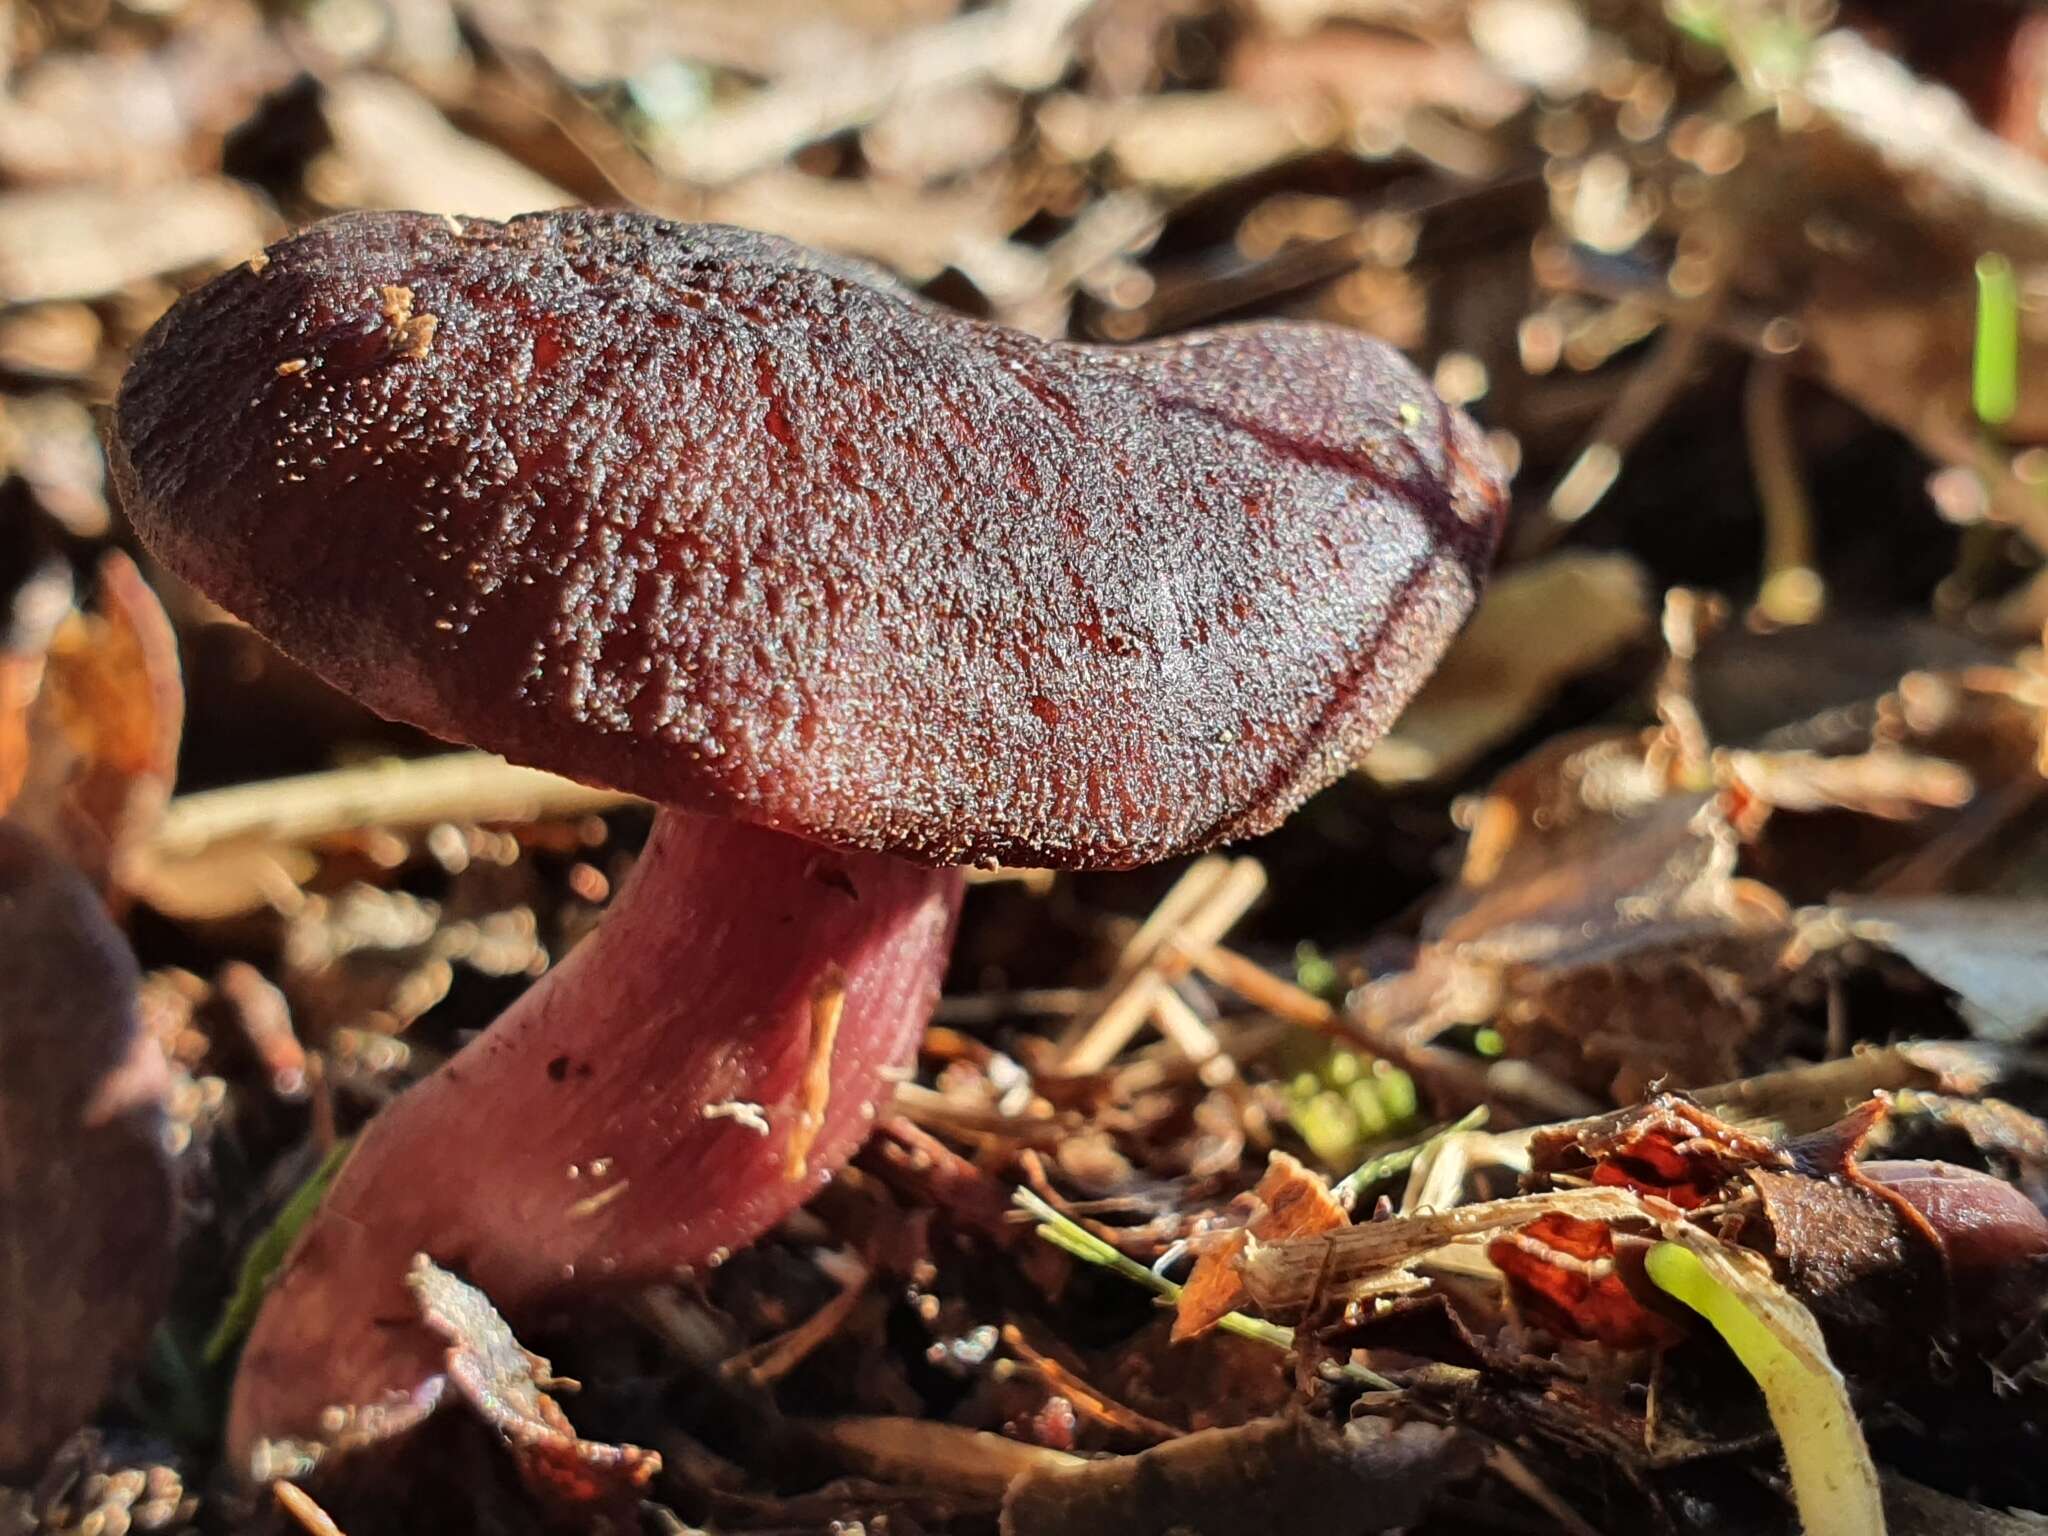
(692, 1072)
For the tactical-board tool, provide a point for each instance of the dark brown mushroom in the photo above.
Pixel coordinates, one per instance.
(858, 589)
(88, 1199)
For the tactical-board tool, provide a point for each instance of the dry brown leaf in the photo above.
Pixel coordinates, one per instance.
(1598, 923)
(1536, 628)
(81, 242)
(102, 734)
(507, 1386)
(392, 148)
(1991, 952)
(1290, 1201)
(1376, 77)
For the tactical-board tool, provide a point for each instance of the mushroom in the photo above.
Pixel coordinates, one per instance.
(857, 590)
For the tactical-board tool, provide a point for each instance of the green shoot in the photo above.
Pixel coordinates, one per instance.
(1388, 1164)
(1347, 1101)
(1700, 21)
(1995, 373)
(1313, 972)
(1833, 1482)
(261, 1263)
(1065, 1233)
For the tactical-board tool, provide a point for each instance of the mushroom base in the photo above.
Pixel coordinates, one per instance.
(663, 1096)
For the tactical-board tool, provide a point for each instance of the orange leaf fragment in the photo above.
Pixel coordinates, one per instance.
(1290, 1201)
(1565, 1270)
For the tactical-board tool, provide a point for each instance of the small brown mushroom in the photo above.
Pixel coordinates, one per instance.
(1987, 1229)
(860, 590)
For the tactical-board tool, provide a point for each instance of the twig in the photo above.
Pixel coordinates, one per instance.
(1512, 1470)
(1199, 910)
(1638, 407)
(1188, 1031)
(768, 1362)
(1196, 885)
(1087, 1399)
(1263, 990)
(1029, 1003)
(455, 786)
(300, 1505)
(1792, 591)
(929, 1108)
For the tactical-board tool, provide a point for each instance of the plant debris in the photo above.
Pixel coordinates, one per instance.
(1687, 926)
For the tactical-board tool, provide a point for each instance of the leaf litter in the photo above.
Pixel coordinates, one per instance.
(1732, 931)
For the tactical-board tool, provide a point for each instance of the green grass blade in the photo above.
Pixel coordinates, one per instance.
(1995, 374)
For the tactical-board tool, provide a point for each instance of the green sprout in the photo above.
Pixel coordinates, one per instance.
(267, 1254)
(1768, 48)
(1995, 372)
(1065, 1233)
(1347, 1101)
(1314, 972)
(1834, 1484)
(1388, 1164)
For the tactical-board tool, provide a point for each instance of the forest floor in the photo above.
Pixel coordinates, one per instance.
(1713, 860)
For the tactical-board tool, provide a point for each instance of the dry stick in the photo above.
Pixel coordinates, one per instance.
(300, 1505)
(1272, 995)
(1153, 1067)
(1642, 401)
(1687, 620)
(1510, 1469)
(1028, 1003)
(772, 1359)
(1792, 591)
(1194, 888)
(454, 786)
(1215, 1067)
(1262, 989)
(1097, 1042)
(1198, 882)
(1095, 1404)
(976, 1463)
(1188, 1031)
(930, 1109)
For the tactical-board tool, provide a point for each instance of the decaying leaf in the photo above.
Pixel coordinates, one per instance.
(1290, 1201)
(508, 1386)
(1598, 923)
(101, 732)
(1992, 953)
(87, 1204)
(1537, 628)
(1668, 1147)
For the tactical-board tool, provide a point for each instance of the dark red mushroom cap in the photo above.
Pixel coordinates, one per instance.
(702, 515)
